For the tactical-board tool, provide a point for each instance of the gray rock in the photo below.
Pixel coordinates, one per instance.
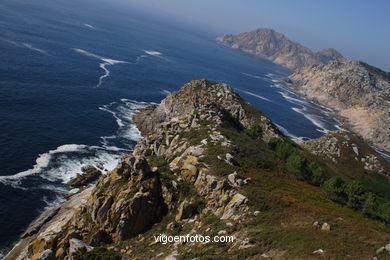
(89, 175)
(268, 44)
(77, 246)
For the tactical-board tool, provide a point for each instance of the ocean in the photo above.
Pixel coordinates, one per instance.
(72, 74)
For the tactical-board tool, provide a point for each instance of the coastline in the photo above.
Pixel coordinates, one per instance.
(343, 121)
(50, 219)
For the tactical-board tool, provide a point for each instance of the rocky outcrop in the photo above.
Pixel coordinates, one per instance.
(90, 174)
(358, 93)
(273, 46)
(342, 147)
(216, 101)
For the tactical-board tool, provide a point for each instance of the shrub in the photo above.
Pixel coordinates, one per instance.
(283, 148)
(383, 211)
(318, 174)
(98, 253)
(369, 203)
(354, 191)
(254, 132)
(296, 163)
(334, 189)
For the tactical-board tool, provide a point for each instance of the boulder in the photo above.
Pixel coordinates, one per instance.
(89, 175)
(230, 159)
(186, 211)
(231, 208)
(234, 180)
(325, 227)
(76, 246)
(318, 252)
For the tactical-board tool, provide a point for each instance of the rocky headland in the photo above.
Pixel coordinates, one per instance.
(274, 46)
(209, 163)
(358, 93)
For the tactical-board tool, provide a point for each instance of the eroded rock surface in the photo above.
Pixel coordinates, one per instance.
(357, 92)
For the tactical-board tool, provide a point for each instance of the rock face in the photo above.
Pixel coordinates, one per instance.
(356, 91)
(273, 46)
(342, 147)
(217, 100)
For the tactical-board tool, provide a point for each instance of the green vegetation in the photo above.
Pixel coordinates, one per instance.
(187, 191)
(255, 132)
(159, 162)
(354, 195)
(195, 135)
(98, 253)
(296, 163)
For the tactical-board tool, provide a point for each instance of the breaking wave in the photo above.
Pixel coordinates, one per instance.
(89, 26)
(254, 95)
(56, 167)
(25, 45)
(106, 62)
(153, 53)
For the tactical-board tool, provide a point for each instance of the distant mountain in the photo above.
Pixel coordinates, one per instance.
(358, 92)
(276, 47)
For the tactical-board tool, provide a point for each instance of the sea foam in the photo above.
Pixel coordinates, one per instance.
(254, 95)
(106, 62)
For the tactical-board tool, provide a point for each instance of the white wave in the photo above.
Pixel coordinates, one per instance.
(67, 167)
(286, 132)
(277, 85)
(50, 203)
(43, 161)
(89, 26)
(165, 92)
(254, 76)
(106, 62)
(293, 100)
(25, 45)
(29, 46)
(153, 53)
(255, 95)
(385, 156)
(123, 113)
(314, 119)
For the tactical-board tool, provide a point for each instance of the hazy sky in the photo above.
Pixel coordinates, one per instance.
(359, 29)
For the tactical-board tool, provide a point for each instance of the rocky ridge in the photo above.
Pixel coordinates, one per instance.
(345, 148)
(187, 176)
(129, 200)
(358, 93)
(273, 46)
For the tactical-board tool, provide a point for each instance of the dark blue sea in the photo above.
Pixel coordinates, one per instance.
(72, 74)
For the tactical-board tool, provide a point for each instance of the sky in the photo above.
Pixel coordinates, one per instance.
(359, 29)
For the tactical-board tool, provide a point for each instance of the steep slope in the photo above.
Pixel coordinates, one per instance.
(357, 92)
(210, 164)
(276, 47)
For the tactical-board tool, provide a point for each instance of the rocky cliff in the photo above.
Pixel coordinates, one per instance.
(209, 164)
(359, 94)
(273, 46)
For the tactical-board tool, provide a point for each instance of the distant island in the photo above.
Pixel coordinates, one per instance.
(274, 46)
(358, 93)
